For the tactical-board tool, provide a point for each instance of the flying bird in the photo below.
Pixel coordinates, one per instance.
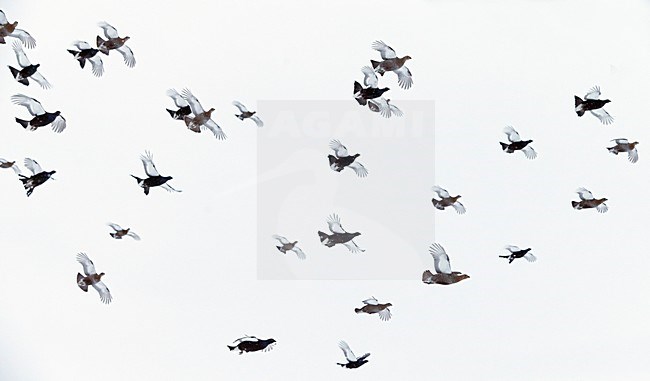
(41, 117)
(447, 200)
(85, 53)
(384, 107)
(594, 105)
(180, 102)
(252, 344)
(27, 69)
(92, 279)
(372, 306)
(202, 119)
(154, 178)
(8, 29)
(623, 145)
(245, 114)
(39, 176)
(588, 201)
(516, 144)
(392, 63)
(115, 42)
(443, 275)
(9, 164)
(362, 94)
(353, 361)
(516, 252)
(289, 246)
(119, 232)
(342, 159)
(339, 235)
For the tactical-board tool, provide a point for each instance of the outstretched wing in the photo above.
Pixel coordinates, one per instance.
(169, 188)
(115, 227)
(460, 208)
(86, 263)
(178, 99)
(240, 106)
(104, 293)
(147, 162)
(349, 355)
(359, 169)
(530, 257)
(513, 135)
(109, 31)
(370, 78)
(404, 78)
(257, 120)
(620, 141)
(23, 61)
(584, 194)
(98, 65)
(339, 149)
(440, 259)
(216, 130)
(33, 166)
(24, 37)
(127, 53)
(38, 77)
(195, 106)
(593, 93)
(529, 152)
(512, 248)
(372, 301)
(394, 110)
(633, 156)
(603, 116)
(14, 166)
(33, 106)
(334, 223)
(280, 238)
(299, 252)
(386, 51)
(59, 124)
(442, 193)
(81, 45)
(353, 247)
(385, 314)
(133, 235)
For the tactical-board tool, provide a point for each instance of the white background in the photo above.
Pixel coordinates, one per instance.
(189, 287)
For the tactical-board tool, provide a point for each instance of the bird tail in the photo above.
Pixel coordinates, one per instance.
(427, 276)
(332, 159)
(357, 87)
(575, 204)
(100, 45)
(14, 71)
(172, 113)
(578, 103)
(578, 100)
(504, 256)
(375, 64)
(613, 150)
(240, 117)
(322, 236)
(23, 123)
(358, 310)
(232, 348)
(139, 180)
(342, 365)
(504, 146)
(83, 287)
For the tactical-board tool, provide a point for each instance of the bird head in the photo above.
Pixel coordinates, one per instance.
(462, 276)
(388, 304)
(210, 111)
(125, 39)
(602, 200)
(37, 65)
(356, 155)
(57, 113)
(100, 275)
(606, 101)
(406, 58)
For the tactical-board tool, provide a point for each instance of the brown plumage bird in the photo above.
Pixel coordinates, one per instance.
(443, 275)
(119, 232)
(8, 29)
(447, 200)
(587, 201)
(623, 145)
(372, 306)
(92, 279)
(9, 164)
(115, 42)
(392, 63)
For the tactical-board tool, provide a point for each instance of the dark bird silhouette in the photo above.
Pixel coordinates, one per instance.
(362, 94)
(289, 246)
(441, 263)
(245, 114)
(27, 70)
(88, 53)
(115, 42)
(372, 306)
(623, 145)
(119, 232)
(342, 159)
(587, 201)
(339, 235)
(39, 176)
(252, 344)
(353, 361)
(392, 63)
(154, 178)
(594, 105)
(8, 29)
(41, 117)
(516, 252)
(516, 144)
(92, 279)
(183, 107)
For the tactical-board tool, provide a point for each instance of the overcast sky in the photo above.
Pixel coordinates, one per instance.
(206, 270)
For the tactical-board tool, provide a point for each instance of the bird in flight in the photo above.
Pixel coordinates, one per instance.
(594, 105)
(353, 361)
(339, 235)
(92, 279)
(119, 232)
(342, 159)
(441, 263)
(516, 144)
(392, 63)
(372, 306)
(39, 176)
(41, 117)
(28, 70)
(115, 42)
(154, 178)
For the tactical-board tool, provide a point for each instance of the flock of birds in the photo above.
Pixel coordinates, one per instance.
(197, 119)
